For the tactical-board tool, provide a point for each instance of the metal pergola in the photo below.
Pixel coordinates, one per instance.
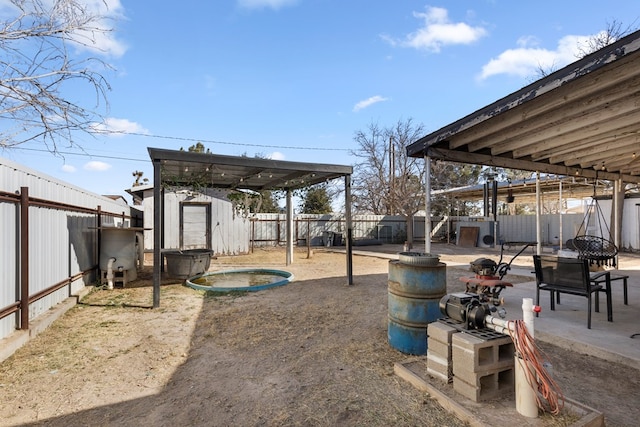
(188, 169)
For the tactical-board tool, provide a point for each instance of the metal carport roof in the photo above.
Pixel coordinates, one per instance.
(193, 169)
(233, 172)
(524, 191)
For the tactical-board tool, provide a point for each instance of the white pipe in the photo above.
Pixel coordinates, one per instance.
(527, 315)
(526, 403)
(538, 215)
(110, 273)
(427, 204)
(561, 213)
(499, 325)
(140, 243)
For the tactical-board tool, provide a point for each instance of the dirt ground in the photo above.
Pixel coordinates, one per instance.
(313, 352)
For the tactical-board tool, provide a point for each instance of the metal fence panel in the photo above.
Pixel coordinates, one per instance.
(62, 242)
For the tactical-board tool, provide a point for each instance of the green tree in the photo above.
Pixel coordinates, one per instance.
(269, 202)
(246, 201)
(316, 200)
(448, 175)
(199, 148)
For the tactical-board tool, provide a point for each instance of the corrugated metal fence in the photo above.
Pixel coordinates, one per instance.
(48, 242)
(270, 229)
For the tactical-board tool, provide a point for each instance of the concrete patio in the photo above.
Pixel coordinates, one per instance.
(567, 325)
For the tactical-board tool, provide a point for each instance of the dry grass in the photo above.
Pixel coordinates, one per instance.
(313, 352)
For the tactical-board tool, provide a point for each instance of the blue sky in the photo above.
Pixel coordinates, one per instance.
(295, 79)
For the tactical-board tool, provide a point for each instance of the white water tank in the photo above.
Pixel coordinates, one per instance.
(119, 243)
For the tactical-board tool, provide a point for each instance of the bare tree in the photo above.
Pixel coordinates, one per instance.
(613, 32)
(38, 70)
(610, 34)
(386, 180)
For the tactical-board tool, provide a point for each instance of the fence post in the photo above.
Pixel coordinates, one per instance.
(24, 258)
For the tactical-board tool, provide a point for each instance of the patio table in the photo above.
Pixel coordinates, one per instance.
(614, 277)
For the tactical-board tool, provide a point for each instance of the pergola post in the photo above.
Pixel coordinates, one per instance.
(289, 228)
(157, 231)
(349, 226)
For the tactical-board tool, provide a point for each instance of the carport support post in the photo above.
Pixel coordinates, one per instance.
(538, 210)
(427, 205)
(560, 213)
(157, 231)
(618, 210)
(289, 230)
(349, 226)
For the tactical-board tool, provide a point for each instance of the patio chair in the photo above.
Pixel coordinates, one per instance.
(570, 276)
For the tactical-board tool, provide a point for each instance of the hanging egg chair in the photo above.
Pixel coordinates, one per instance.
(593, 240)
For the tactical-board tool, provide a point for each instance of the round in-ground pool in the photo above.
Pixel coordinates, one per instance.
(246, 279)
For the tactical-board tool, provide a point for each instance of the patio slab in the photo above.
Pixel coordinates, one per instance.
(565, 327)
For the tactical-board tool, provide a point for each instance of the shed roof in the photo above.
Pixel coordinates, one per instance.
(205, 169)
(582, 120)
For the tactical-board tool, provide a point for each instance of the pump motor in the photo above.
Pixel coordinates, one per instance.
(465, 308)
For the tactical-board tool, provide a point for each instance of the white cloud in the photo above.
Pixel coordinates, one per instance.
(262, 4)
(68, 168)
(438, 31)
(118, 127)
(96, 166)
(368, 102)
(276, 155)
(528, 58)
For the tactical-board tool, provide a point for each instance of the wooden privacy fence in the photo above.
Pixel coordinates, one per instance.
(50, 251)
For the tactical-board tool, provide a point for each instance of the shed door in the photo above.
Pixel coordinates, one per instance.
(195, 225)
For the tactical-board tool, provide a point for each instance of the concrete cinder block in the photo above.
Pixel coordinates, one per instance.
(440, 332)
(439, 349)
(474, 355)
(440, 368)
(489, 385)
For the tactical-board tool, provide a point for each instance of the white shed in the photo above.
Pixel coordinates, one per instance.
(203, 219)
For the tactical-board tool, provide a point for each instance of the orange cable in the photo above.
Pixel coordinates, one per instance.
(537, 376)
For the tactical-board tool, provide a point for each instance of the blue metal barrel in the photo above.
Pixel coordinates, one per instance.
(414, 295)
